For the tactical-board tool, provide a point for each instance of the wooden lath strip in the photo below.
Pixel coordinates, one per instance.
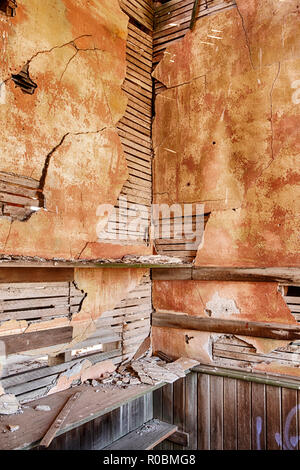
(173, 20)
(140, 10)
(37, 301)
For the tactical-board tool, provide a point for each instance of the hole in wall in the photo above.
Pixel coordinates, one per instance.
(23, 81)
(8, 7)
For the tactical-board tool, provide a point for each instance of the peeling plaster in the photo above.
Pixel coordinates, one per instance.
(221, 307)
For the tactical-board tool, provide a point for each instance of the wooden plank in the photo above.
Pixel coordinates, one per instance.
(290, 417)
(216, 413)
(230, 414)
(36, 275)
(276, 380)
(189, 436)
(60, 419)
(235, 327)
(273, 415)
(157, 404)
(168, 410)
(144, 438)
(181, 274)
(258, 397)
(287, 276)
(243, 415)
(180, 438)
(38, 339)
(204, 418)
(179, 406)
(90, 406)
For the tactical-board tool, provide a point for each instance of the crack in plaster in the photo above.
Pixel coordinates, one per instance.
(50, 154)
(246, 36)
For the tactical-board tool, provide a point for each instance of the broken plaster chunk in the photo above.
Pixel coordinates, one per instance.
(135, 381)
(13, 427)
(42, 408)
(151, 259)
(9, 404)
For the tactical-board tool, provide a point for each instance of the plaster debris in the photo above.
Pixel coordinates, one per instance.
(9, 405)
(81, 372)
(42, 408)
(152, 259)
(153, 371)
(149, 427)
(13, 428)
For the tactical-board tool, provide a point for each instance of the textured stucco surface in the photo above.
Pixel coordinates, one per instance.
(64, 134)
(247, 301)
(230, 117)
(226, 133)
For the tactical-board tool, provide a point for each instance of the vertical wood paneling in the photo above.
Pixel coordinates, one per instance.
(216, 413)
(179, 406)
(191, 409)
(274, 423)
(289, 419)
(157, 403)
(230, 414)
(258, 417)
(204, 412)
(244, 415)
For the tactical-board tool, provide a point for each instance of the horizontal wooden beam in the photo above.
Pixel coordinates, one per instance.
(279, 331)
(36, 275)
(37, 340)
(284, 275)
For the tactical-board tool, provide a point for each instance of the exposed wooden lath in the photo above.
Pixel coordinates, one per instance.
(19, 196)
(185, 247)
(139, 10)
(127, 325)
(234, 353)
(36, 302)
(292, 298)
(135, 127)
(172, 20)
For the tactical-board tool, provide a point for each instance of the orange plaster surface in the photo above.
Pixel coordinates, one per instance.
(76, 52)
(226, 132)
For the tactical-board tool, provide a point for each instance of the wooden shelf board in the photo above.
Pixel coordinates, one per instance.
(89, 406)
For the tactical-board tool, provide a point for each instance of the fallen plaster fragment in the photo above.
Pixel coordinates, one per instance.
(9, 405)
(151, 259)
(220, 306)
(42, 408)
(80, 372)
(153, 371)
(13, 427)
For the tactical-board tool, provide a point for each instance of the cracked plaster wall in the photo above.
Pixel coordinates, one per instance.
(231, 115)
(247, 301)
(226, 131)
(64, 135)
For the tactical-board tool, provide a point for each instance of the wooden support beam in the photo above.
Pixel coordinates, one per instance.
(279, 331)
(40, 274)
(194, 13)
(36, 340)
(283, 275)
